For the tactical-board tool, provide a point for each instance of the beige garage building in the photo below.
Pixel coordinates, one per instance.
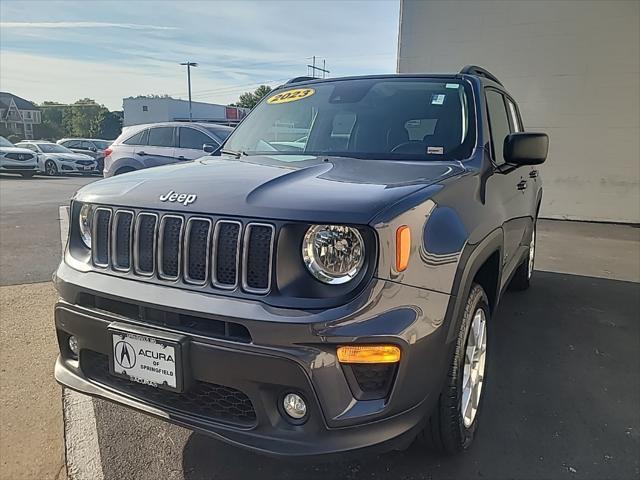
(573, 66)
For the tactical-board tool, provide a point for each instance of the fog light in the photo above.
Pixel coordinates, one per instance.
(73, 345)
(294, 406)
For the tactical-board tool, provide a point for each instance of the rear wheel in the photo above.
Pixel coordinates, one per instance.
(50, 168)
(454, 421)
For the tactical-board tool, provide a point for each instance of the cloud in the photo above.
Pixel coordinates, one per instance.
(70, 25)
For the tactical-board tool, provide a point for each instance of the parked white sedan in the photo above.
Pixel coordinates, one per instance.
(17, 160)
(54, 159)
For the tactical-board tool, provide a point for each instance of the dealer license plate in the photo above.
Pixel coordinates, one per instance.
(87, 168)
(146, 359)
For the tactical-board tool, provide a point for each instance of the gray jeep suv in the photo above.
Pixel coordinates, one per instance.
(324, 283)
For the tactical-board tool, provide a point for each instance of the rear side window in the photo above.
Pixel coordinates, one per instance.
(72, 144)
(161, 137)
(87, 146)
(139, 138)
(194, 139)
(499, 124)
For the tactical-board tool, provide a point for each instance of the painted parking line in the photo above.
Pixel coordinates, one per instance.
(80, 431)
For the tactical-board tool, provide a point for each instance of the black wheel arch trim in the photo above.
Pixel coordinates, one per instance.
(472, 259)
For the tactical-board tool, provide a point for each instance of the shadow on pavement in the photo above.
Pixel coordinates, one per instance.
(562, 399)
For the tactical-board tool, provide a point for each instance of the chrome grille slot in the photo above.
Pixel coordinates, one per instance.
(144, 250)
(170, 247)
(101, 233)
(226, 254)
(196, 254)
(121, 240)
(258, 252)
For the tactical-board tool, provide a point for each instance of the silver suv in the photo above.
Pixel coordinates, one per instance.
(152, 145)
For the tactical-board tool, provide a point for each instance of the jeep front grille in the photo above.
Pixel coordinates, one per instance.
(199, 251)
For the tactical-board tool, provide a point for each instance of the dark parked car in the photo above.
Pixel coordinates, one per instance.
(327, 283)
(94, 147)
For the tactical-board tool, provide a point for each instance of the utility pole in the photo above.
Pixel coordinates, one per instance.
(314, 68)
(189, 65)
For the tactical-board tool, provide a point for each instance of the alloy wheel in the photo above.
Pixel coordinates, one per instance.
(474, 367)
(50, 168)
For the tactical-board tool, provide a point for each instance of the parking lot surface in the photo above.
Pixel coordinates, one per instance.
(562, 390)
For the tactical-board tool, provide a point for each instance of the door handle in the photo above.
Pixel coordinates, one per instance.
(522, 185)
(181, 157)
(533, 173)
(141, 153)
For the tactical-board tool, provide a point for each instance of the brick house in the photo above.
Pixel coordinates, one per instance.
(18, 115)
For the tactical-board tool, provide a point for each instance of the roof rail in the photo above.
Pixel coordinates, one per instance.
(301, 79)
(480, 72)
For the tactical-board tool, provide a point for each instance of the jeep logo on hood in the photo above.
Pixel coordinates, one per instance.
(183, 198)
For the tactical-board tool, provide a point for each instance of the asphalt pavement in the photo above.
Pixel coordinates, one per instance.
(562, 390)
(29, 225)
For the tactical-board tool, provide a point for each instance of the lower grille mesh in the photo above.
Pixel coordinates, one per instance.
(208, 400)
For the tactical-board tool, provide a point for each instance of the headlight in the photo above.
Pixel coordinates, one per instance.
(334, 254)
(85, 220)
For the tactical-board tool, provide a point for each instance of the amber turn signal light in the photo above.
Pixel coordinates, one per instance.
(403, 247)
(369, 354)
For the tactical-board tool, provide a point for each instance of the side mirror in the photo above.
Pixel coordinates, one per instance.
(209, 148)
(526, 148)
(93, 149)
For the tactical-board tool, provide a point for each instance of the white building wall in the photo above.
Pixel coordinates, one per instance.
(573, 67)
(168, 110)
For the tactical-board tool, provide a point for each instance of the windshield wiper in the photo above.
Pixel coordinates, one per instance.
(239, 154)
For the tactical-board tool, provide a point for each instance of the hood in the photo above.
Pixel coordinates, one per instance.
(15, 150)
(317, 189)
(69, 156)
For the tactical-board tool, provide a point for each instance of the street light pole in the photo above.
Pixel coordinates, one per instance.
(189, 65)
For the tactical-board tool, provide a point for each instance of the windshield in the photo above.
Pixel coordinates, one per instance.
(5, 143)
(53, 148)
(388, 118)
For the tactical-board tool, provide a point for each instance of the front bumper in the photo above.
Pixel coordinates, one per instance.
(72, 167)
(17, 166)
(289, 351)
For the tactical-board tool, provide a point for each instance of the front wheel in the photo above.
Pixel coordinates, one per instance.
(50, 168)
(454, 421)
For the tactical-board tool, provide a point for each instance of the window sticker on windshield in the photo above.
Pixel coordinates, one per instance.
(437, 99)
(452, 85)
(435, 150)
(291, 95)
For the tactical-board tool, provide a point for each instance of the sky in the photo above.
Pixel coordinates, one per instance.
(109, 50)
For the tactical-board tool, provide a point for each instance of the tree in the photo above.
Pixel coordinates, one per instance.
(251, 99)
(106, 124)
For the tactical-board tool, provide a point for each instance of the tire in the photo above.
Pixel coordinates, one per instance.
(28, 174)
(521, 279)
(50, 168)
(448, 429)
